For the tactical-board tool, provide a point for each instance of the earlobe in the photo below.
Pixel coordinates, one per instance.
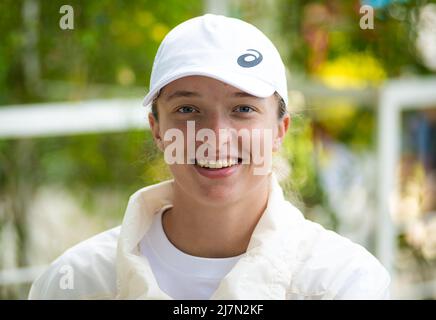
(159, 144)
(277, 144)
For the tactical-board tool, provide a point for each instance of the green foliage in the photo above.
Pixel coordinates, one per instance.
(113, 42)
(391, 41)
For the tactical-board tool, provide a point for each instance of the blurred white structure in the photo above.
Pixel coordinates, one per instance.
(426, 39)
(396, 96)
(61, 119)
(66, 118)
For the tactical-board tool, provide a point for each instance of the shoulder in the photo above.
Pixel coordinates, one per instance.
(330, 266)
(85, 271)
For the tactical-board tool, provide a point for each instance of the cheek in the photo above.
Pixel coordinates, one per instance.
(169, 130)
(262, 138)
(167, 124)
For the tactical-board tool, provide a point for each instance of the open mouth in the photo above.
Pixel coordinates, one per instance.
(218, 164)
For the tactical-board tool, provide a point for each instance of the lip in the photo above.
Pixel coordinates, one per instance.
(217, 173)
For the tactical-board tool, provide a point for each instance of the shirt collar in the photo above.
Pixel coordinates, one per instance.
(264, 272)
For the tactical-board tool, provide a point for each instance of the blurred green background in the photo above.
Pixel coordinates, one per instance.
(58, 190)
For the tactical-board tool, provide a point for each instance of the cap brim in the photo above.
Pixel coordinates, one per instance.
(246, 83)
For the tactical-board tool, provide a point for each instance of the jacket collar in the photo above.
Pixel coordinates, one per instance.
(264, 272)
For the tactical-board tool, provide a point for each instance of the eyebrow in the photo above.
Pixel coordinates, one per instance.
(184, 93)
(242, 94)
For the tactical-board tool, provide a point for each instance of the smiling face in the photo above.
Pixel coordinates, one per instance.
(215, 105)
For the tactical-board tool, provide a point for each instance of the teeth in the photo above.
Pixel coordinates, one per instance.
(216, 164)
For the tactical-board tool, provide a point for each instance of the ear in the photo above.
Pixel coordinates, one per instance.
(283, 127)
(154, 127)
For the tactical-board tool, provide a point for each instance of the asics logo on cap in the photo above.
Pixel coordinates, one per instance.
(249, 60)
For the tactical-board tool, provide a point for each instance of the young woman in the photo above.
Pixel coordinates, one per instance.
(221, 229)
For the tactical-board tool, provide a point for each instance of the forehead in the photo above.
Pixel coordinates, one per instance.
(201, 84)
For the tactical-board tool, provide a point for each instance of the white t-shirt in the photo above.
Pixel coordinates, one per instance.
(178, 274)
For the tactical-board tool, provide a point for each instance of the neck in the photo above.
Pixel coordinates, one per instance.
(224, 230)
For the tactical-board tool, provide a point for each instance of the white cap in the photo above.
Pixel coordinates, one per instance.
(223, 48)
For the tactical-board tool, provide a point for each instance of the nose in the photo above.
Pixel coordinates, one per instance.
(225, 135)
(216, 122)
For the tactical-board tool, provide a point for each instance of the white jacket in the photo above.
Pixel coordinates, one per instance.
(288, 257)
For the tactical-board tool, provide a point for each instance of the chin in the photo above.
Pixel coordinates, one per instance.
(219, 193)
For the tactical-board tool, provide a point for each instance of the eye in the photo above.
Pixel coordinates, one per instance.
(244, 109)
(186, 109)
